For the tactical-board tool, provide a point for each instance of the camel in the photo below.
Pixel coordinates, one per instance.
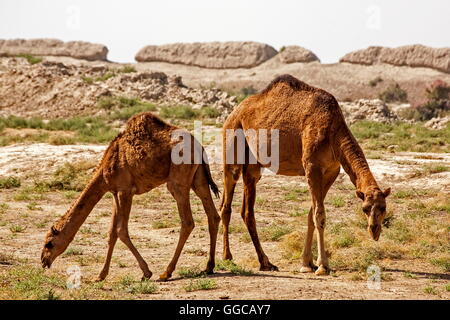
(138, 160)
(314, 141)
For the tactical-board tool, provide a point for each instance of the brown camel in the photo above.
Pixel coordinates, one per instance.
(314, 141)
(136, 161)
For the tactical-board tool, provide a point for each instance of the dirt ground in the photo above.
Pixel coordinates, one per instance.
(27, 213)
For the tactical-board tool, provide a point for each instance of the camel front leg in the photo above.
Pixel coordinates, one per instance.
(322, 259)
(111, 242)
(124, 208)
(316, 184)
(181, 195)
(307, 257)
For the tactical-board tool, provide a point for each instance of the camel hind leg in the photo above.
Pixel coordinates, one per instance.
(231, 175)
(251, 175)
(179, 184)
(201, 189)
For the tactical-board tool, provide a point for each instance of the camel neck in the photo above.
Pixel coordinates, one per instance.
(354, 162)
(70, 223)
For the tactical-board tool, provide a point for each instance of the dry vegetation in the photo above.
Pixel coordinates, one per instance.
(413, 251)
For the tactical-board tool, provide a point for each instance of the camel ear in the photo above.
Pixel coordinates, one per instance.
(387, 192)
(360, 194)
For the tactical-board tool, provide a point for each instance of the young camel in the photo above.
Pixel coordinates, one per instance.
(136, 161)
(314, 141)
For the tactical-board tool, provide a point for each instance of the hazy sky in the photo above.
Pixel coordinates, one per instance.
(330, 28)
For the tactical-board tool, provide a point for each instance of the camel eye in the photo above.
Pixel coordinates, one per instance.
(49, 245)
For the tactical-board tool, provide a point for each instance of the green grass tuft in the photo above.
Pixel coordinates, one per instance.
(201, 284)
(9, 183)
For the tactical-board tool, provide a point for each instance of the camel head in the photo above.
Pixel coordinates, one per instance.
(53, 247)
(374, 207)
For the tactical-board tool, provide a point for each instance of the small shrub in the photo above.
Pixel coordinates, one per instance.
(274, 232)
(9, 183)
(403, 194)
(247, 91)
(88, 80)
(437, 168)
(394, 94)
(33, 206)
(106, 76)
(190, 272)
(50, 295)
(443, 263)
(70, 176)
(430, 290)
(209, 112)
(437, 104)
(31, 59)
(16, 229)
(374, 82)
(3, 207)
(228, 265)
(127, 69)
(344, 240)
(143, 287)
(73, 252)
(106, 103)
(201, 284)
(337, 201)
(6, 259)
(32, 283)
(178, 112)
(400, 232)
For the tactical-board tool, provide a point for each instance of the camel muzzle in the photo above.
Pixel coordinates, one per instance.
(45, 261)
(375, 232)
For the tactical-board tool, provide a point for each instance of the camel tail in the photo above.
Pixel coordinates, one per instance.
(211, 182)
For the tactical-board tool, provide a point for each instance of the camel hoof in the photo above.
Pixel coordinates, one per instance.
(208, 271)
(306, 269)
(146, 276)
(227, 256)
(101, 277)
(268, 267)
(322, 271)
(165, 276)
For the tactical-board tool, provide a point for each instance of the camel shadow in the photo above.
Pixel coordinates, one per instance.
(229, 274)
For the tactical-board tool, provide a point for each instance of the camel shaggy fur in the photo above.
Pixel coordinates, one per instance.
(137, 161)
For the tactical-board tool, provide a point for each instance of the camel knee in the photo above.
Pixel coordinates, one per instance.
(216, 220)
(319, 219)
(112, 237)
(122, 233)
(226, 214)
(188, 226)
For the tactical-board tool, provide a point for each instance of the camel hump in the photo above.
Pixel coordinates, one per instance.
(144, 119)
(291, 81)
